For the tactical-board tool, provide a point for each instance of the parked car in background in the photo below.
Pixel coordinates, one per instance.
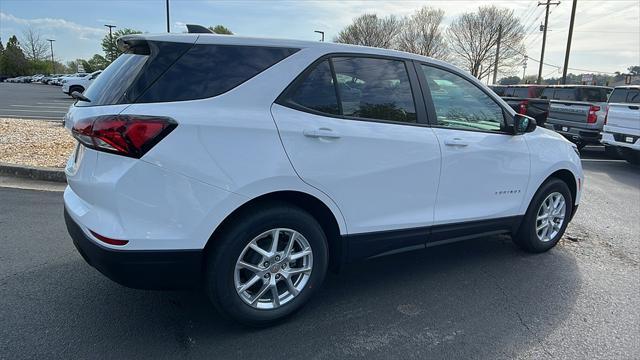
(78, 83)
(577, 111)
(621, 129)
(342, 152)
(525, 100)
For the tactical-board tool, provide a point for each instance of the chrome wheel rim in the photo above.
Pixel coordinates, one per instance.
(550, 217)
(273, 268)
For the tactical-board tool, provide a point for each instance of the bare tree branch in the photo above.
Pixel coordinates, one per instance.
(34, 46)
(473, 38)
(421, 34)
(370, 30)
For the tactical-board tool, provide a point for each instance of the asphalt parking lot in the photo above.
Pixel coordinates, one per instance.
(481, 299)
(33, 101)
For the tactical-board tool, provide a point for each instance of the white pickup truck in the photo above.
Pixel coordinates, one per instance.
(622, 122)
(79, 84)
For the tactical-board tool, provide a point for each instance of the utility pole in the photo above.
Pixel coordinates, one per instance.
(524, 67)
(110, 42)
(495, 66)
(168, 28)
(53, 63)
(321, 33)
(544, 36)
(566, 55)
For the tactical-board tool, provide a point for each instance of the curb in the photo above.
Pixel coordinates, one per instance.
(32, 172)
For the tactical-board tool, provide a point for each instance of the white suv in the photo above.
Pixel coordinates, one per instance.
(249, 166)
(78, 83)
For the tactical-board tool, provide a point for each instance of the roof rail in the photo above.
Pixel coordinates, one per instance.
(198, 29)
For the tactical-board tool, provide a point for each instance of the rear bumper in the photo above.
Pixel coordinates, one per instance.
(576, 134)
(620, 140)
(139, 269)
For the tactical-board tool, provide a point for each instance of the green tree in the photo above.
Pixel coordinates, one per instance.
(509, 80)
(14, 61)
(221, 29)
(1, 58)
(98, 62)
(109, 46)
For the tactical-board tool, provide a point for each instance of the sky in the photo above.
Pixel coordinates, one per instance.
(606, 32)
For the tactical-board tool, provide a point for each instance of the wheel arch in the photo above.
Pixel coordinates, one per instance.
(314, 206)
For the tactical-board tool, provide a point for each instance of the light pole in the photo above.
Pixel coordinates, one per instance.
(321, 33)
(53, 63)
(110, 41)
(168, 29)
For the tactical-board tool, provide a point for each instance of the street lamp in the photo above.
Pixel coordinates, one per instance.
(321, 33)
(110, 41)
(53, 63)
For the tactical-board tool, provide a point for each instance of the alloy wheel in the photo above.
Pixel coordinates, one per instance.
(550, 216)
(273, 268)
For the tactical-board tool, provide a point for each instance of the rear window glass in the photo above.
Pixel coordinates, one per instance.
(593, 94)
(565, 94)
(625, 96)
(167, 71)
(521, 92)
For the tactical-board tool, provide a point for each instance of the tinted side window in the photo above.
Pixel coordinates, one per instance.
(209, 70)
(460, 104)
(317, 91)
(374, 89)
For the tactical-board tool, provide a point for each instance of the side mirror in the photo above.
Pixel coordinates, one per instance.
(523, 124)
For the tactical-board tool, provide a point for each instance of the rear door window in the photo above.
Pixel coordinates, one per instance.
(317, 91)
(374, 88)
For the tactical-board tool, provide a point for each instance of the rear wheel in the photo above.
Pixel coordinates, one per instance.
(546, 218)
(632, 156)
(266, 265)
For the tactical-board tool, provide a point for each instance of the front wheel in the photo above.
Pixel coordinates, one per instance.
(266, 264)
(546, 218)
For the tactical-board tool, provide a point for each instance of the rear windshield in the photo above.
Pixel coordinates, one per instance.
(568, 94)
(166, 71)
(621, 95)
(521, 92)
(593, 94)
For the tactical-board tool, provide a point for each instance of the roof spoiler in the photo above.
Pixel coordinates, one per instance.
(198, 29)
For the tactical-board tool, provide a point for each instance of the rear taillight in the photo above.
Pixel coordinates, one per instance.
(606, 115)
(107, 240)
(593, 117)
(522, 109)
(128, 135)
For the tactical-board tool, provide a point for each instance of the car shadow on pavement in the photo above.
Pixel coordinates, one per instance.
(477, 299)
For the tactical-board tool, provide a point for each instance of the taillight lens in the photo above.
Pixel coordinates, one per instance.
(128, 135)
(109, 241)
(593, 117)
(523, 107)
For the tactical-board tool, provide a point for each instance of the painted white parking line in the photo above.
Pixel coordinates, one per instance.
(47, 111)
(14, 116)
(42, 106)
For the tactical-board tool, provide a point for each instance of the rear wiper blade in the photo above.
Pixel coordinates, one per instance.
(78, 96)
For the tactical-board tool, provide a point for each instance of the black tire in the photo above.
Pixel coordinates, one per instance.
(526, 237)
(79, 89)
(221, 261)
(630, 155)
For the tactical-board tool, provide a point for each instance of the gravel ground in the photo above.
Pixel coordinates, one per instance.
(34, 143)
